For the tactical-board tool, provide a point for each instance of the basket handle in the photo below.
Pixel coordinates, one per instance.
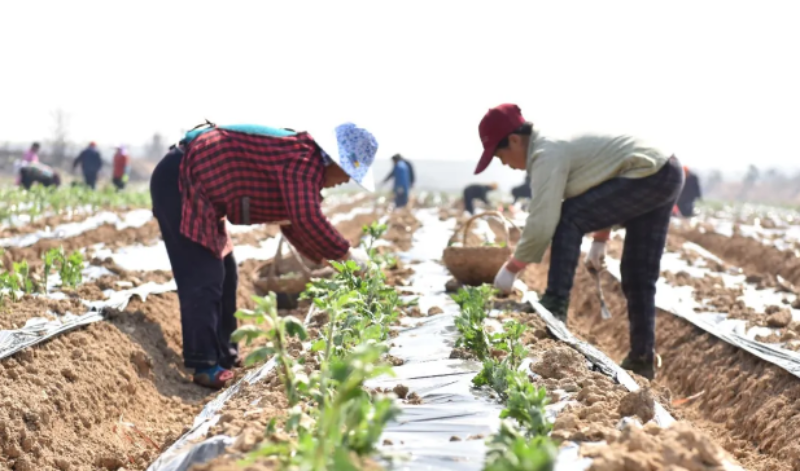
(503, 219)
(279, 256)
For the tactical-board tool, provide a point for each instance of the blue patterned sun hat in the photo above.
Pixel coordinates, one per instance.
(354, 151)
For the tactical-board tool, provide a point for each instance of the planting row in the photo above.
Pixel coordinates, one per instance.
(451, 404)
(128, 367)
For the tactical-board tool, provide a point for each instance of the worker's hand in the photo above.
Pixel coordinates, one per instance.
(596, 258)
(359, 256)
(504, 280)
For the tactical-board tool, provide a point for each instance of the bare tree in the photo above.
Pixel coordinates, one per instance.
(749, 181)
(59, 143)
(156, 149)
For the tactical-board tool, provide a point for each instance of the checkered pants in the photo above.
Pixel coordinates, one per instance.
(643, 206)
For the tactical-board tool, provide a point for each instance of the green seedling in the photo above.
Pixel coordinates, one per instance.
(509, 450)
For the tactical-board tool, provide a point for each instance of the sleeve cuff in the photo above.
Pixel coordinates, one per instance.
(515, 266)
(602, 236)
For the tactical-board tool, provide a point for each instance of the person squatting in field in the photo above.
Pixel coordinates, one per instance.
(403, 175)
(589, 184)
(31, 156)
(37, 172)
(246, 174)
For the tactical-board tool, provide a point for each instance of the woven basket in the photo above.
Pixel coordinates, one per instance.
(475, 266)
(290, 283)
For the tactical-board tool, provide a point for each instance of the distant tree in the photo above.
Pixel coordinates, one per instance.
(713, 180)
(157, 147)
(59, 142)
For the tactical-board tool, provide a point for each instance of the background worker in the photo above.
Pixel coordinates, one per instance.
(402, 175)
(246, 174)
(30, 156)
(37, 172)
(583, 185)
(122, 168)
(91, 163)
(477, 192)
(396, 158)
(690, 194)
(522, 191)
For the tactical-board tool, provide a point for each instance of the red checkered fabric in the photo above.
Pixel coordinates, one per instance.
(281, 176)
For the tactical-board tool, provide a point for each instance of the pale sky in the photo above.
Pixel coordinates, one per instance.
(716, 82)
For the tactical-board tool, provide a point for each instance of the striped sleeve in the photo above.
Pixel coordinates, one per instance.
(310, 231)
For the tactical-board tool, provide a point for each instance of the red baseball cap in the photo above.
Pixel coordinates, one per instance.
(497, 124)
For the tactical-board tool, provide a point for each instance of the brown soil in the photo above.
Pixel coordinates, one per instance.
(14, 315)
(680, 446)
(600, 404)
(107, 234)
(401, 227)
(41, 223)
(68, 402)
(751, 255)
(744, 400)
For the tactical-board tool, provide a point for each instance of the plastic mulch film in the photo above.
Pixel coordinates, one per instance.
(39, 329)
(135, 218)
(422, 438)
(679, 302)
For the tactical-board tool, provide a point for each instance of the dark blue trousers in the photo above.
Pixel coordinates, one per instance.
(206, 284)
(643, 206)
(90, 178)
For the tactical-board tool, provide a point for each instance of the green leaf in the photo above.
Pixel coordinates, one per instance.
(318, 346)
(259, 355)
(246, 314)
(342, 461)
(295, 328)
(249, 332)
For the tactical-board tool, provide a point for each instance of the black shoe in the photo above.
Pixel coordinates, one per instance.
(557, 306)
(642, 366)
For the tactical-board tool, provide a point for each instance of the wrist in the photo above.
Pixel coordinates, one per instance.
(515, 266)
(602, 236)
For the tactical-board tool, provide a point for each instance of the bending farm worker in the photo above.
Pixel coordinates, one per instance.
(91, 163)
(477, 192)
(246, 174)
(401, 174)
(588, 184)
(691, 193)
(122, 168)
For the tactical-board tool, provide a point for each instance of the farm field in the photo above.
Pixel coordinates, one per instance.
(398, 368)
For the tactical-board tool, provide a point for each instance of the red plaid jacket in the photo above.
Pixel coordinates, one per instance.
(253, 179)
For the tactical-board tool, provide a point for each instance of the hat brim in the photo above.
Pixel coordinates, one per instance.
(328, 143)
(486, 159)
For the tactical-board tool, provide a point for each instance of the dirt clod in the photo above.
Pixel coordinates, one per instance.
(560, 362)
(640, 403)
(401, 391)
(780, 318)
